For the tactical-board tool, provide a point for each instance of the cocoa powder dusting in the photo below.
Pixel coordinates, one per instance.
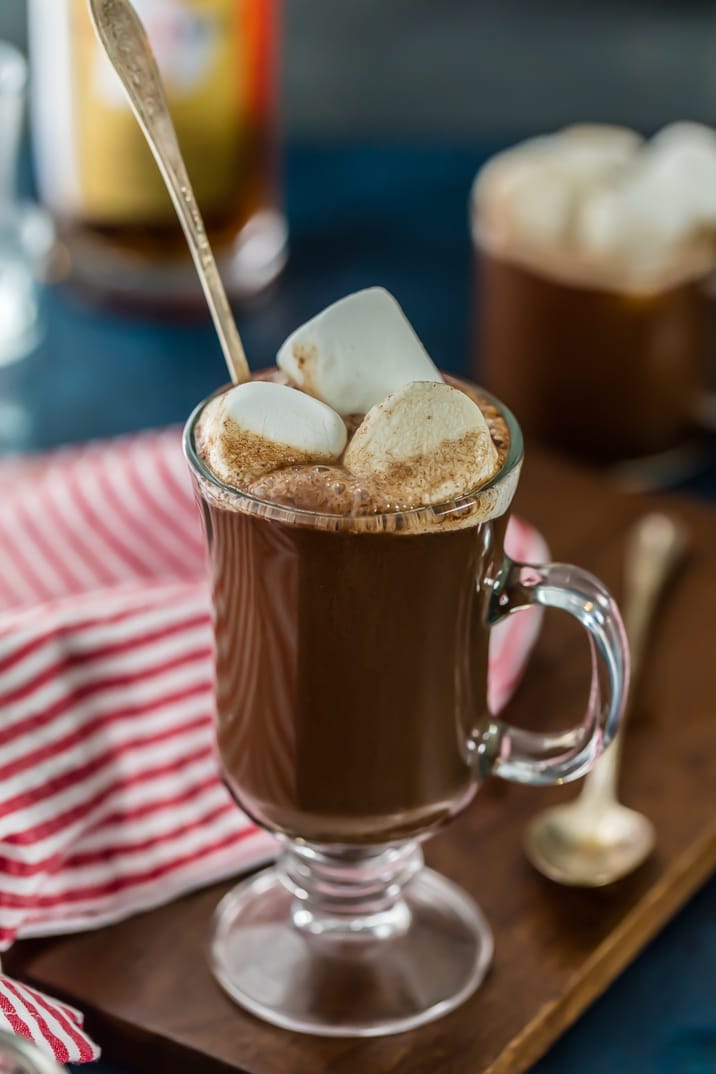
(305, 483)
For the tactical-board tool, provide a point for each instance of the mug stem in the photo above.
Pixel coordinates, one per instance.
(349, 892)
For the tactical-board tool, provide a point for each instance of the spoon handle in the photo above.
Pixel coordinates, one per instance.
(655, 546)
(125, 41)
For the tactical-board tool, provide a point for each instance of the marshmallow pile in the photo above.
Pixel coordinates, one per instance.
(603, 194)
(423, 441)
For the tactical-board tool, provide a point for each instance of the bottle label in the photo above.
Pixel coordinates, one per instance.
(202, 50)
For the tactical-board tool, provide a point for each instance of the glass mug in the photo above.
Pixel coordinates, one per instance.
(565, 348)
(351, 658)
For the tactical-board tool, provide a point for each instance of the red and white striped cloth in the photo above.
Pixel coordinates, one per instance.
(110, 797)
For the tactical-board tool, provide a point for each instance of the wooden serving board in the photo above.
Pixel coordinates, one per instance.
(145, 984)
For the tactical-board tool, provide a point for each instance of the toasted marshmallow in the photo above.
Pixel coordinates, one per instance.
(261, 426)
(356, 352)
(427, 442)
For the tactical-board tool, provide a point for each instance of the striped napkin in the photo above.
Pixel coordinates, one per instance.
(110, 796)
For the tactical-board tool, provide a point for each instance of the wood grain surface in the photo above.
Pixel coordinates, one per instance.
(145, 984)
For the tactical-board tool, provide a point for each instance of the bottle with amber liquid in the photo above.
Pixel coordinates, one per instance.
(218, 60)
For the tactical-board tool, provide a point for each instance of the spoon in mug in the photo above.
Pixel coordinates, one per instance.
(127, 46)
(596, 840)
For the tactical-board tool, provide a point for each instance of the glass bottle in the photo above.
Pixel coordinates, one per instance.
(218, 59)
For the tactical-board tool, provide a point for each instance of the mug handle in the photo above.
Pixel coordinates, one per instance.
(530, 757)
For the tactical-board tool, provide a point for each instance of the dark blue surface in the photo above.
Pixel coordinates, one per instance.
(361, 216)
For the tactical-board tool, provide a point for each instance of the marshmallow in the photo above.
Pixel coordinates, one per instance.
(668, 195)
(523, 192)
(534, 189)
(595, 151)
(261, 426)
(596, 203)
(683, 135)
(540, 203)
(426, 442)
(540, 184)
(356, 352)
(601, 223)
(680, 164)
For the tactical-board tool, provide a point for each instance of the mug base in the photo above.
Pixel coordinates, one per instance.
(371, 977)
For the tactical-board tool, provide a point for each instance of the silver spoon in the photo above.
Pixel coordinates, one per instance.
(595, 840)
(125, 41)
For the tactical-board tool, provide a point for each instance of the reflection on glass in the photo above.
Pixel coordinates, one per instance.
(25, 240)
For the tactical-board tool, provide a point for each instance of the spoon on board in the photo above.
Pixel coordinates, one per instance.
(125, 41)
(596, 840)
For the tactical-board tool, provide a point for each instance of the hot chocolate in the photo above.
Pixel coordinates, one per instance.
(355, 507)
(327, 583)
(328, 727)
(592, 252)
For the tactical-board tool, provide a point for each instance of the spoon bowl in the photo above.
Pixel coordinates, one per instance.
(595, 840)
(567, 845)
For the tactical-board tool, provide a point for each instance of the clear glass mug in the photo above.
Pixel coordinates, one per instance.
(351, 658)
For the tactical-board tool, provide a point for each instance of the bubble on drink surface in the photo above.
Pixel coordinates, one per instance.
(260, 426)
(426, 443)
(330, 491)
(355, 352)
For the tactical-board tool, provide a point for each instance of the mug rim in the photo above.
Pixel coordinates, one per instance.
(433, 513)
